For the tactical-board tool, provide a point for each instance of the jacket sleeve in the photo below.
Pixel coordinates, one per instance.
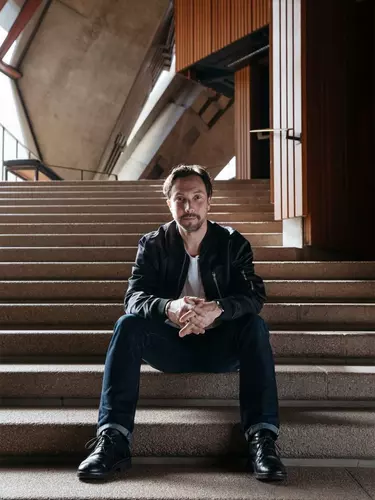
(249, 293)
(140, 297)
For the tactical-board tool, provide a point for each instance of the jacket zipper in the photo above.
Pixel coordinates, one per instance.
(182, 272)
(245, 278)
(217, 285)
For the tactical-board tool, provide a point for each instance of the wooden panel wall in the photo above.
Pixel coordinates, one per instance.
(339, 126)
(288, 178)
(205, 26)
(242, 123)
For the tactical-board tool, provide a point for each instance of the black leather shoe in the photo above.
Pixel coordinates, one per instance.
(264, 459)
(111, 454)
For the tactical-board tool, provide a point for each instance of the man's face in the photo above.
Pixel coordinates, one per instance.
(189, 203)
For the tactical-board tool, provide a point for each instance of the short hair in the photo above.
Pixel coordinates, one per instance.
(186, 171)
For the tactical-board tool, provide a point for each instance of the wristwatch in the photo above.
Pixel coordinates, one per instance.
(219, 306)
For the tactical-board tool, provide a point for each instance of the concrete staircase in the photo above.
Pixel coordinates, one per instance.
(66, 251)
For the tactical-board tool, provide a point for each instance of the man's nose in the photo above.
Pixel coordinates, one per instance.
(187, 206)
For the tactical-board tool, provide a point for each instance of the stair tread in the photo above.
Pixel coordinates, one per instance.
(167, 482)
(293, 329)
(179, 416)
(79, 367)
(275, 303)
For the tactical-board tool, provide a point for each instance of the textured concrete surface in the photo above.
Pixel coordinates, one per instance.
(122, 207)
(317, 270)
(250, 204)
(79, 71)
(86, 342)
(114, 270)
(261, 196)
(108, 239)
(106, 313)
(115, 289)
(154, 218)
(193, 432)
(113, 254)
(120, 227)
(313, 313)
(321, 289)
(184, 483)
(84, 381)
(356, 380)
(126, 184)
(366, 479)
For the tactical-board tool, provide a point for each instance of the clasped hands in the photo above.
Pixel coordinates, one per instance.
(192, 314)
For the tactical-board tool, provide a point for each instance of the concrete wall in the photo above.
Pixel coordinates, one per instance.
(79, 70)
(192, 141)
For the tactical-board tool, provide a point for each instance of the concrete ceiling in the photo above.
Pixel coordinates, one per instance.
(79, 70)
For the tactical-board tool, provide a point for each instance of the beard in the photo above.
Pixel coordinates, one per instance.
(191, 225)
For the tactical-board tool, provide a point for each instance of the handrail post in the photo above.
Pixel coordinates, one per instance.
(2, 152)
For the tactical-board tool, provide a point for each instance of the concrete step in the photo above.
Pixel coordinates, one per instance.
(138, 184)
(124, 193)
(121, 227)
(127, 209)
(115, 289)
(113, 254)
(66, 382)
(106, 313)
(297, 270)
(171, 482)
(78, 343)
(188, 432)
(141, 184)
(155, 218)
(104, 199)
(120, 186)
(61, 240)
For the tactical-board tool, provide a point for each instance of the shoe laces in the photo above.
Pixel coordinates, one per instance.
(267, 446)
(102, 440)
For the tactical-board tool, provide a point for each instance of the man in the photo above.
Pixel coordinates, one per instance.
(192, 305)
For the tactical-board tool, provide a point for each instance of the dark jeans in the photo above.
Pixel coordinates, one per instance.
(242, 344)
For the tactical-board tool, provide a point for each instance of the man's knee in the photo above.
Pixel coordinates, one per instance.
(129, 327)
(254, 327)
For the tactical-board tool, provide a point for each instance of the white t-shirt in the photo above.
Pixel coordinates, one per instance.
(193, 286)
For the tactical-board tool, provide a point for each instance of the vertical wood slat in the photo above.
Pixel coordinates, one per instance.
(240, 19)
(242, 123)
(284, 107)
(276, 98)
(205, 26)
(184, 23)
(202, 28)
(271, 119)
(288, 179)
(197, 27)
(290, 166)
(300, 181)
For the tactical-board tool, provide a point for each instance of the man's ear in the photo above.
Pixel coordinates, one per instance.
(169, 204)
(209, 204)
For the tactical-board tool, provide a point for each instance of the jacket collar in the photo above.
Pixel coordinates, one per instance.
(174, 238)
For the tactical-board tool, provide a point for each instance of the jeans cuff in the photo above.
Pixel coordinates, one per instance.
(124, 431)
(257, 427)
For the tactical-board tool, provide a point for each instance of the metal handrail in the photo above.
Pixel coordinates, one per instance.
(30, 154)
(81, 170)
(35, 156)
(261, 131)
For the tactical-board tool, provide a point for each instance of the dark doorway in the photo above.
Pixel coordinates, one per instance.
(260, 119)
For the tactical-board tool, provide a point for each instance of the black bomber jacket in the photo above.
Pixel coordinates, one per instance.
(225, 264)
